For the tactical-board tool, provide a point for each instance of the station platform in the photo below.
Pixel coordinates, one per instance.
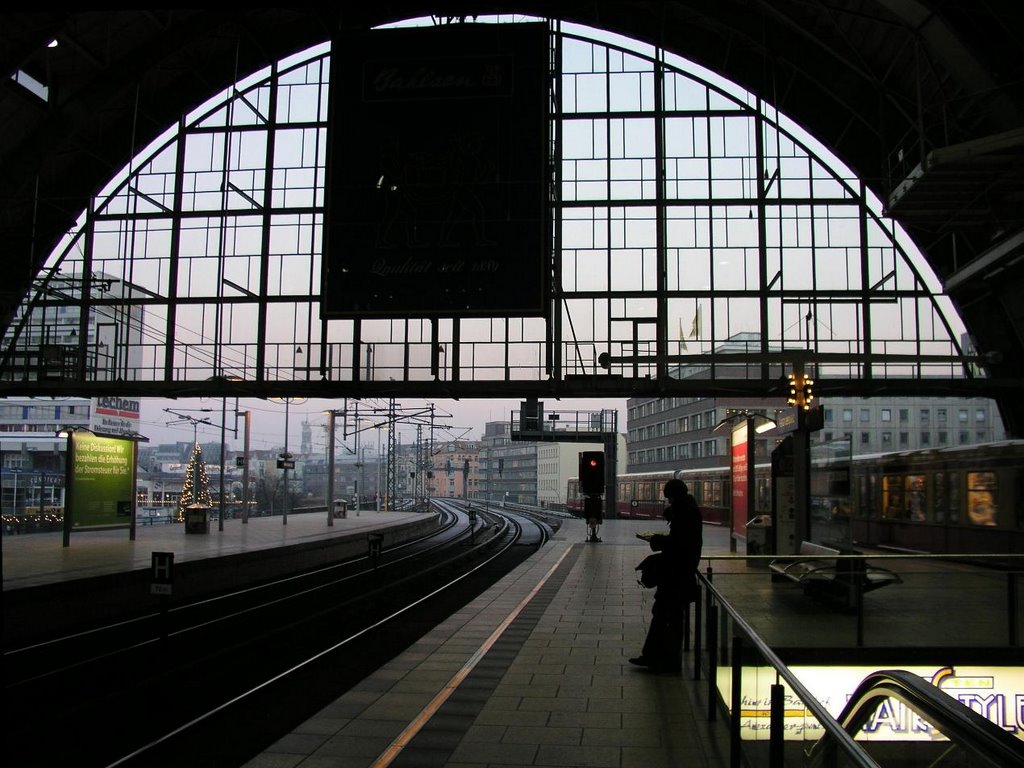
(534, 672)
(44, 581)
(39, 558)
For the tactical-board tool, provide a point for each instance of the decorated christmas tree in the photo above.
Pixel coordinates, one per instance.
(196, 487)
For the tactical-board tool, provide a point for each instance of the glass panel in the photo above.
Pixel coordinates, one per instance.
(892, 497)
(982, 508)
(916, 498)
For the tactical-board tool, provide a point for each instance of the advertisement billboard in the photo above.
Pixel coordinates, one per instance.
(996, 693)
(115, 415)
(100, 482)
(741, 498)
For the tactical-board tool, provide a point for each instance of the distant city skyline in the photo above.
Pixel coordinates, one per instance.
(464, 419)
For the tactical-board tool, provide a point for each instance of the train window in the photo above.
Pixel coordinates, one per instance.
(625, 491)
(863, 496)
(644, 492)
(716, 493)
(892, 497)
(941, 504)
(981, 498)
(917, 502)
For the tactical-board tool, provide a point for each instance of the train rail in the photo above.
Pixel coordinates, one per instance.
(215, 681)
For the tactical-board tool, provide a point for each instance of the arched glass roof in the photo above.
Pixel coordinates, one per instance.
(701, 242)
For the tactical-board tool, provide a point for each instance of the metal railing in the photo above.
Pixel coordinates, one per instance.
(761, 696)
(746, 639)
(1006, 567)
(982, 741)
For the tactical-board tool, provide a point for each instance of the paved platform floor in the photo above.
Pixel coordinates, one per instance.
(40, 558)
(534, 672)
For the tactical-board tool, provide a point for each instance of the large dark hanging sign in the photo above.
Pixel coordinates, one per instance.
(437, 192)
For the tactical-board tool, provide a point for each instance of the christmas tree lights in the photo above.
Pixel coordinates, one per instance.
(196, 487)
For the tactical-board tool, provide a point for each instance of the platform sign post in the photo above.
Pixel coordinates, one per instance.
(375, 542)
(162, 573)
(161, 582)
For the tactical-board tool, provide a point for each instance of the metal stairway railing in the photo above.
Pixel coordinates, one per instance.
(985, 742)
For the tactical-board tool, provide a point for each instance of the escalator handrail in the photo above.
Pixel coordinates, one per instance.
(958, 722)
(854, 753)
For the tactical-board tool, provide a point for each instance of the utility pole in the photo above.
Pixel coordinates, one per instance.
(287, 457)
(390, 470)
(223, 437)
(245, 467)
(418, 486)
(330, 469)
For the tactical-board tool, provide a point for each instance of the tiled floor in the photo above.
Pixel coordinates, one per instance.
(535, 671)
(554, 688)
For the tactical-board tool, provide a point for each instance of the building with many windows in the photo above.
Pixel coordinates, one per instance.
(528, 472)
(454, 470)
(665, 433)
(558, 462)
(903, 424)
(32, 452)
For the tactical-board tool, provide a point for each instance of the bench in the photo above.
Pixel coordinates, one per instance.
(822, 572)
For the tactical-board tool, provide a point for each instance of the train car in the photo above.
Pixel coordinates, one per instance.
(640, 495)
(950, 500)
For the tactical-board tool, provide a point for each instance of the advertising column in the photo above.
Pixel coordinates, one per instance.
(742, 458)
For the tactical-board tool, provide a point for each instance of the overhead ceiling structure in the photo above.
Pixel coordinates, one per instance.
(922, 99)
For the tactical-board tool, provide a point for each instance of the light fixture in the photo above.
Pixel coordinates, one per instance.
(732, 417)
(801, 390)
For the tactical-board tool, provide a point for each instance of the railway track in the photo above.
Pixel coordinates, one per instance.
(216, 681)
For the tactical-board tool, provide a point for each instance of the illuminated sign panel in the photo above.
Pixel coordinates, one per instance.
(996, 693)
(740, 477)
(100, 481)
(437, 176)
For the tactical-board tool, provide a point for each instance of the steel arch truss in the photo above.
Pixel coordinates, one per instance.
(701, 244)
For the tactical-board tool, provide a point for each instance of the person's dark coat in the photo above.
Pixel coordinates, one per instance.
(680, 550)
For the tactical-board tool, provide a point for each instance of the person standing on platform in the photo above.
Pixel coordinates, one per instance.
(592, 511)
(677, 584)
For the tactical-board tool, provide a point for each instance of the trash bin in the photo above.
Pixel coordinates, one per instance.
(758, 533)
(340, 508)
(197, 519)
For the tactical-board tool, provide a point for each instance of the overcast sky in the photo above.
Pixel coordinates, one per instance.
(167, 421)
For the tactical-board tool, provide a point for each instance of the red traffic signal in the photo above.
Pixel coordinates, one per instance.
(592, 473)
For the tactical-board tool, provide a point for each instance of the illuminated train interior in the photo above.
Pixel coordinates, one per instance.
(952, 500)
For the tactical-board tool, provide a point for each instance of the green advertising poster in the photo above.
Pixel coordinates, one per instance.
(100, 481)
